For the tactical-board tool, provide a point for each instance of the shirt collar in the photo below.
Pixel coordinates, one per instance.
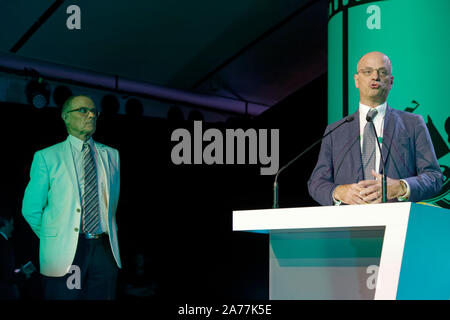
(78, 144)
(4, 235)
(363, 109)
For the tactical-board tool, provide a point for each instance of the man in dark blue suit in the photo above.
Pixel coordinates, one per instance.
(412, 171)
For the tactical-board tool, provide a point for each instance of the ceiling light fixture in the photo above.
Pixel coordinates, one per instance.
(38, 93)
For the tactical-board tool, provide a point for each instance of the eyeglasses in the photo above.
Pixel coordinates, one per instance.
(382, 72)
(85, 111)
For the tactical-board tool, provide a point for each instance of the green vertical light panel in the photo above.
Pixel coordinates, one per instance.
(415, 36)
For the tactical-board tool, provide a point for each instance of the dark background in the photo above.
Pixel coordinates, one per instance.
(178, 217)
(271, 54)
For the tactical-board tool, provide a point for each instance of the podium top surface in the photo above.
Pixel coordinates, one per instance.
(349, 216)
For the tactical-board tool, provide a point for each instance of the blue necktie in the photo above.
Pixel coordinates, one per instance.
(368, 147)
(91, 217)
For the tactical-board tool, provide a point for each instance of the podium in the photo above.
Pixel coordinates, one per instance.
(379, 251)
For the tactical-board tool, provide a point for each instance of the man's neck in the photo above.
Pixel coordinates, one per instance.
(83, 138)
(373, 104)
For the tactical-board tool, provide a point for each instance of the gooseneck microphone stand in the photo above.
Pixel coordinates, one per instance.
(275, 184)
(383, 175)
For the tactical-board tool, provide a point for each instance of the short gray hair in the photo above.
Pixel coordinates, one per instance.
(67, 104)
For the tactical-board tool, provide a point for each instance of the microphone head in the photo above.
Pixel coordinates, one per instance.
(370, 115)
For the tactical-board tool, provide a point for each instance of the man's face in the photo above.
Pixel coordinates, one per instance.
(374, 78)
(80, 117)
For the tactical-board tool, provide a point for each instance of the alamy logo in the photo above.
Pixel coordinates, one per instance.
(74, 20)
(74, 280)
(256, 142)
(374, 20)
(371, 282)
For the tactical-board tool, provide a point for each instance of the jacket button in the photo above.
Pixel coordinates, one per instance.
(78, 210)
(76, 229)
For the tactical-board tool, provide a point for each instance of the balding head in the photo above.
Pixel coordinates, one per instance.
(80, 116)
(375, 55)
(68, 102)
(374, 78)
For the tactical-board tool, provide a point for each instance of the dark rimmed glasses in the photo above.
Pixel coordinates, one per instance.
(86, 110)
(383, 72)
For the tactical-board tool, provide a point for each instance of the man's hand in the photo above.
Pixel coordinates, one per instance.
(368, 191)
(349, 193)
(372, 192)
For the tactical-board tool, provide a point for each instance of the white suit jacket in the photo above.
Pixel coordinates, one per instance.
(52, 204)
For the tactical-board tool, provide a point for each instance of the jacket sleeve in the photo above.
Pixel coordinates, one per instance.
(321, 183)
(429, 179)
(36, 193)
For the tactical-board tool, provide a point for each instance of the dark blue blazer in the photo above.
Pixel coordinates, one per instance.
(407, 150)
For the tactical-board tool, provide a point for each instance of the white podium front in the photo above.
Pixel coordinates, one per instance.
(341, 252)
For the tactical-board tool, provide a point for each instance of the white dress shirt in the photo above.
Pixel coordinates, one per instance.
(378, 121)
(77, 147)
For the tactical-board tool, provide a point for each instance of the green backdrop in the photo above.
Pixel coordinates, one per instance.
(415, 36)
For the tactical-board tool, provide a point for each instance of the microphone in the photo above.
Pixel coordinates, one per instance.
(369, 118)
(275, 184)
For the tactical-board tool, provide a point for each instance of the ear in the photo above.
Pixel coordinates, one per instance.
(391, 81)
(355, 76)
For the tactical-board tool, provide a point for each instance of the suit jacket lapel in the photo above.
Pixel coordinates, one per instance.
(388, 134)
(103, 157)
(356, 146)
(70, 165)
(348, 151)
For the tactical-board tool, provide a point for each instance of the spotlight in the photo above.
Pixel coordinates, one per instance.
(38, 93)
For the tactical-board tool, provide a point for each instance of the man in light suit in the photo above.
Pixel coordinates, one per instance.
(411, 167)
(70, 203)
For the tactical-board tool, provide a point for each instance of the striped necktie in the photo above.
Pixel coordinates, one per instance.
(91, 217)
(368, 147)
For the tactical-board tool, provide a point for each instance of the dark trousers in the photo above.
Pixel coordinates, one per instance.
(93, 274)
